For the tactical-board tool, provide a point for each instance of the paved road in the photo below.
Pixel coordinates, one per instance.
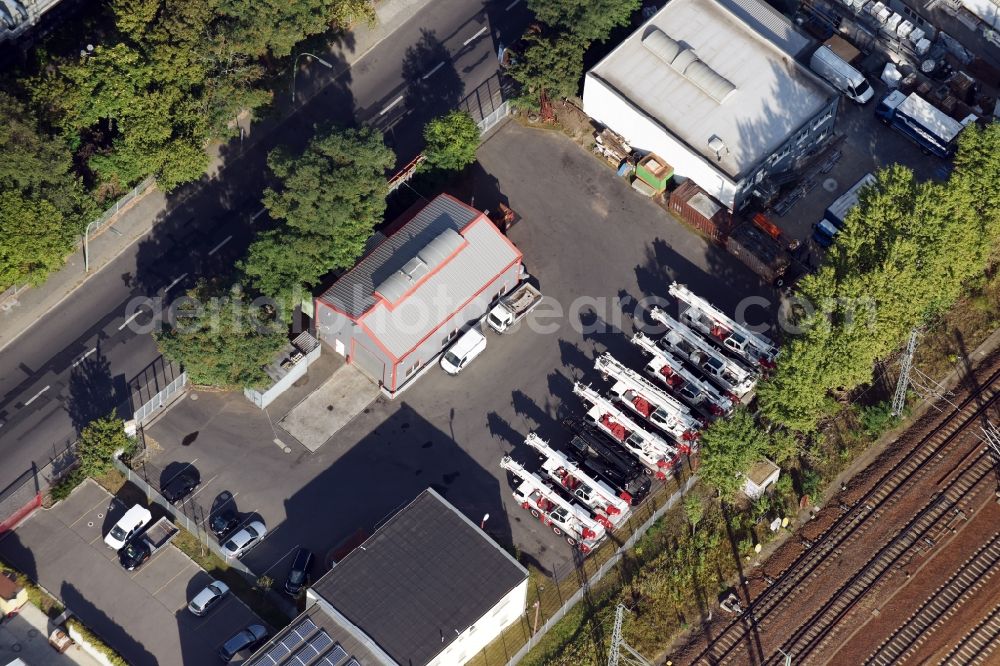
(76, 362)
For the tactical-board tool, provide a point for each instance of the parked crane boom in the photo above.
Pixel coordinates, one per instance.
(669, 369)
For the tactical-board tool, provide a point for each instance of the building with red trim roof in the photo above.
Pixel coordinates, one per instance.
(412, 294)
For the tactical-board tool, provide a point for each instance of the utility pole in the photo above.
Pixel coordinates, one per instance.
(906, 364)
(622, 653)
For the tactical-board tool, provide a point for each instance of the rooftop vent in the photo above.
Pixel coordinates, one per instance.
(428, 258)
(685, 62)
(719, 146)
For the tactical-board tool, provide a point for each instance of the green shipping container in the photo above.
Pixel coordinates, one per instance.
(654, 171)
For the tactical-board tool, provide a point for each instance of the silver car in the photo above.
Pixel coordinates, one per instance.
(208, 598)
(244, 539)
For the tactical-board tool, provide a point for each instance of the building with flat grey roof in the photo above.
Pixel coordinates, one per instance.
(713, 87)
(416, 289)
(428, 588)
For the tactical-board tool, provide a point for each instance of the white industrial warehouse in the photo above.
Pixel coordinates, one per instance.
(714, 89)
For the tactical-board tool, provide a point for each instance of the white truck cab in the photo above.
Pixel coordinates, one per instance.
(128, 526)
(470, 345)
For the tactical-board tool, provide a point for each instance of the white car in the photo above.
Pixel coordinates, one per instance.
(469, 346)
(244, 539)
(127, 527)
(208, 598)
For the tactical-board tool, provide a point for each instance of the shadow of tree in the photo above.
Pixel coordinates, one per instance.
(94, 392)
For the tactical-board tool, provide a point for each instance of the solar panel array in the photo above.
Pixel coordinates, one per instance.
(334, 657)
(293, 639)
(314, 648)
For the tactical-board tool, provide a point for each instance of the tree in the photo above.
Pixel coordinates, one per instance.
(99, 442)
(590, 20)
(330, 198)
(451, 141)
(729, 447)
(694, 510)
(43, 207)
(550, 64)
(221, 339)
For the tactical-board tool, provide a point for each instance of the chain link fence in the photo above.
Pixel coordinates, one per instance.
(124, 202)
(155, 388)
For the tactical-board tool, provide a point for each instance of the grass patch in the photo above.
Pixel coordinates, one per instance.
(248, 592)
(61, 490)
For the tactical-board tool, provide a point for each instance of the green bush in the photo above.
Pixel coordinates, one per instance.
(65, 486)
(95, 642)
(98, 443)
(876, 419)
(811, 485)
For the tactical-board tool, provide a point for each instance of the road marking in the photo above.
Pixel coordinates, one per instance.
(279, 560)
(171, 285)
(431, 73)
(476, 36)
(82, 358)
(201, 487)
(36, 396)
(258, 214)
(132, 318)
(162, 587)
(512, 5)
(391, 104)
(219, 246)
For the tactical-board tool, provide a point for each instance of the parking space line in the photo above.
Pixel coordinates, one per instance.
(183, 569)
(82, 515)
(171, 285)
(279, 560)
(37, 395)
(434, 69)
(82, 358)
(202, 487)
(130, 319)
(391, 104)
(219, 246)
(182, 470)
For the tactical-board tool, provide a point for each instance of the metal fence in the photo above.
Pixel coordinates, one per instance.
(19, 499)
(125, 201)
(154, 388)
(494, 118)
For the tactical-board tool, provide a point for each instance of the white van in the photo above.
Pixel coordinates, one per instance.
(128, 526)
(841, 75)
(460, 354)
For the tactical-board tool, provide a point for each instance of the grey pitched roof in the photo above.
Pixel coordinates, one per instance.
(413, 282)
(354, 292)
(426, 574)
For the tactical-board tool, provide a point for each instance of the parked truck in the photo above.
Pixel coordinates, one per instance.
(841, 75)
(513, 307)
(140, 548)
(826, 230)
(924, 124)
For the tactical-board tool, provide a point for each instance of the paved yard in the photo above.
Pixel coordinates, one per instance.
(142, 614)
(26, 637)
(595, 247)
(868, 146)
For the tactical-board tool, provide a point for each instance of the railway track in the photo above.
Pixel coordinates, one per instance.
(812, 633)
(977, 645)
(850, 525)
(973, 574)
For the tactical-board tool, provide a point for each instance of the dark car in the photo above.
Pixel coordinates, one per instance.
(223, 522)
(298, 576)
(180, 487)
(607, 460)
(133, 554)
(248, 639)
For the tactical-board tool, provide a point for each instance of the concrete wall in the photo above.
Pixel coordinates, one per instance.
(506, 612)
(294, 374)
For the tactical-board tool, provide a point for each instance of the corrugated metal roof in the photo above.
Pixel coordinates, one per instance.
(774, 95)
(354, 292)
(769, 22)
(486, 254)
(426, 575)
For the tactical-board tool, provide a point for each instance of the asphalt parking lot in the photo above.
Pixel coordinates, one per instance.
(595, 247)
(142, 613)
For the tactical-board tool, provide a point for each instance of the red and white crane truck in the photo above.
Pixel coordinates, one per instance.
(648, 400)
(755, 348)
(609, 509)
(656, 453)
(670, 370)
(567, 519)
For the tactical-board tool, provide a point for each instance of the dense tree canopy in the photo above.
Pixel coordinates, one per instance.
(729, 447)
(451, 141)
(222, 339)
(43, 207)
(589, 20)
(550, 64)
(99, 442)
(907, 251)
(330, 198)
(170, 76)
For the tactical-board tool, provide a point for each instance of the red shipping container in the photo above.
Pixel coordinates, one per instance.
(694, 206)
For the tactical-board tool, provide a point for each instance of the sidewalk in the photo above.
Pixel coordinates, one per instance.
(26, 636)
(20, 312)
